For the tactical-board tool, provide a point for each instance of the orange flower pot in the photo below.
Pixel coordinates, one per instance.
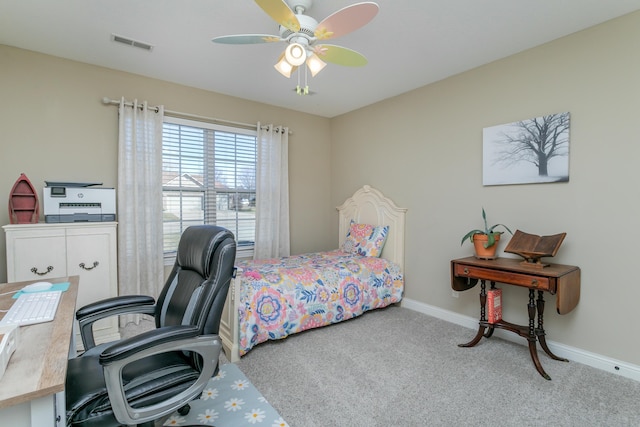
(485, 253)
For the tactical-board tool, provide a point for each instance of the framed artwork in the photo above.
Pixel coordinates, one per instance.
(530, 151)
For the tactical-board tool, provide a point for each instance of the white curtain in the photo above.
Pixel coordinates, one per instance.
(140, 250)
(272, 193)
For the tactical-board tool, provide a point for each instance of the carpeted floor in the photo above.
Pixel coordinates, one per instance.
(398, 367)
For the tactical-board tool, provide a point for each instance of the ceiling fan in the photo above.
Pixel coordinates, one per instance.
(305, 37)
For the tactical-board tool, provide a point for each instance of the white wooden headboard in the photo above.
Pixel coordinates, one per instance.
(370, 206)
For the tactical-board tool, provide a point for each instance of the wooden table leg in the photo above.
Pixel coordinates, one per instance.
(489, 332)
(533, 351)
(475, 339)
(483, 318)
(540, 331)
(534, 356)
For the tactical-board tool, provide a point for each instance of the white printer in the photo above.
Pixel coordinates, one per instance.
(78, 202)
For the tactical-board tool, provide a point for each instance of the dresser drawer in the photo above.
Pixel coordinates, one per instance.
(36, 258)
(512, 278)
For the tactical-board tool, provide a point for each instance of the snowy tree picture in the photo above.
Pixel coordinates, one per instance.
(529, 151)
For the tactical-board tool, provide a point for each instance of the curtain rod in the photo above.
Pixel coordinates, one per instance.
(108, 101)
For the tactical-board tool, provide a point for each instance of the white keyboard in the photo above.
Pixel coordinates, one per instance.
(33, 307)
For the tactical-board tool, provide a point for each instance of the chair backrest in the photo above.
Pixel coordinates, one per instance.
(196, 289)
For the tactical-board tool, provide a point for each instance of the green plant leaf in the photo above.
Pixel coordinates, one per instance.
(484, 218)
(499, 225)
(470, 234)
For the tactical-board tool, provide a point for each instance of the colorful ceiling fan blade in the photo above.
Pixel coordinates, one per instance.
(247, 39)
(346, 20)
(280, 12)
(340, 55)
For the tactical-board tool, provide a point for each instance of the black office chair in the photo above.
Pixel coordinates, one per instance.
(143, 378)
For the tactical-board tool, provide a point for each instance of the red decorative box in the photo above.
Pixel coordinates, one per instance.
(494, 305)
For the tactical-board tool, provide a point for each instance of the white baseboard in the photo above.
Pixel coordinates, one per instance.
(594, 360)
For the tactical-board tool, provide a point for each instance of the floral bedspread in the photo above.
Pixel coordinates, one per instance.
(283, 296)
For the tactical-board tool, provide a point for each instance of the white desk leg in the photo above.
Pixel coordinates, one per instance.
(43, 412)
(61, 410)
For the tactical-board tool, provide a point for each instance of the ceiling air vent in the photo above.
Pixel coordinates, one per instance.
(131, 42)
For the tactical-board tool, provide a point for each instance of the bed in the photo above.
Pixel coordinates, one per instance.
(271, 299)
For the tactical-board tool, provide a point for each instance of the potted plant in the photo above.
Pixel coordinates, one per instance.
(484, 241)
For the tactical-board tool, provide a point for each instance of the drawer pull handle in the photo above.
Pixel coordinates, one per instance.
(534, 283)
(35, 270)
(82, 266)
(466, 270)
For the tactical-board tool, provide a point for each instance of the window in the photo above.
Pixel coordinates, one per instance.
(209, 177)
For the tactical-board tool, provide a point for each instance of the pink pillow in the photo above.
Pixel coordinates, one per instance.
(365, 239)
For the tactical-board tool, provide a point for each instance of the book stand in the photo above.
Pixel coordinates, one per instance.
(533, 247)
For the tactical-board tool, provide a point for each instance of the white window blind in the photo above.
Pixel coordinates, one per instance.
(209, 177)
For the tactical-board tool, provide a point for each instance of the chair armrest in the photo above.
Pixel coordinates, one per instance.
(114, 302)
(124, 304)
(208, 346)
(146, 340)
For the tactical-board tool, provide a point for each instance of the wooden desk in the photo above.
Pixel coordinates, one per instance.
(33, 383)
(561, 280)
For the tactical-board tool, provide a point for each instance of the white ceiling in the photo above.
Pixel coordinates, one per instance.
(410, 43)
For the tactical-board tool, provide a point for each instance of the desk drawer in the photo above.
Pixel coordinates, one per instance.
(511, 278)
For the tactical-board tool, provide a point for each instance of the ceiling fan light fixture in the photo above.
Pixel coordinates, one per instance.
(284, 67)
(295, 54)
(315, 64)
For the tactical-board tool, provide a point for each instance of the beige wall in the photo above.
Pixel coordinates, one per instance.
(423, 149)
(53, 126)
